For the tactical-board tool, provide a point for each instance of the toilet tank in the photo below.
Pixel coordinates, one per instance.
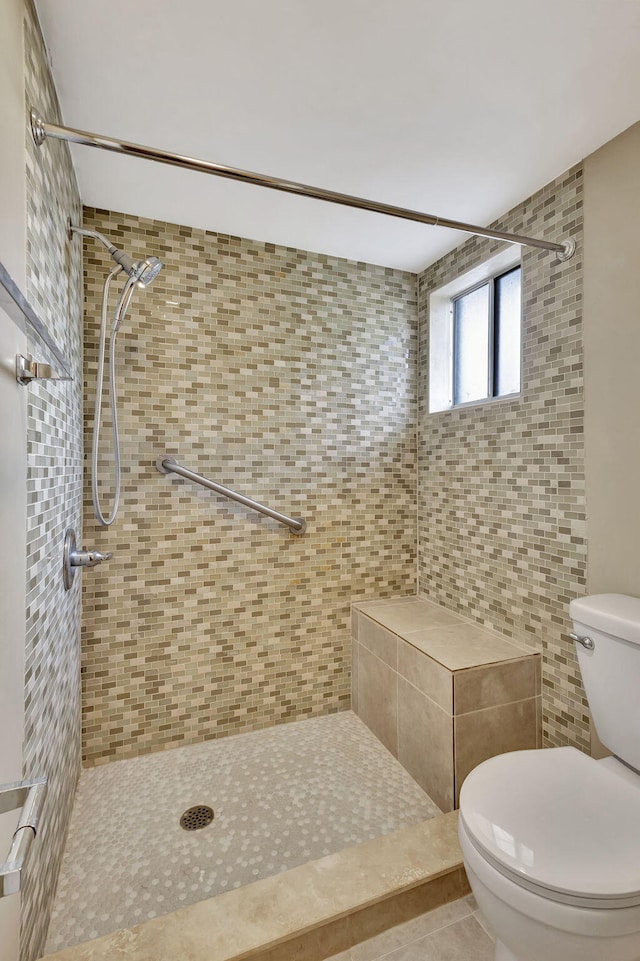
(611, 671)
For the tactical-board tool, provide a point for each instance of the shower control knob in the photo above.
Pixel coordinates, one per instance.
(88, 558)
(73, 558)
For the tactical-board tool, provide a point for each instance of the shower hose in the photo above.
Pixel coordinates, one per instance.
(119, 315)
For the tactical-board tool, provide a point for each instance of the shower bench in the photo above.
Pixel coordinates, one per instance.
(441, 692)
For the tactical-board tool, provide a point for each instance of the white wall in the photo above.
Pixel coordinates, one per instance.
(13, 432)
(12, 152)
(13, 489)
(612, 363)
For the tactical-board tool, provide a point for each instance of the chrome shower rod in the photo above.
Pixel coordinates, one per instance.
(41, 130)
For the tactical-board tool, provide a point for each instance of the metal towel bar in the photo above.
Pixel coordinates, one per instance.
(169, 465)
(28, 795)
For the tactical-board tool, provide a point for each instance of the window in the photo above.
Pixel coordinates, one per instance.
(474, 334)
(486, 339)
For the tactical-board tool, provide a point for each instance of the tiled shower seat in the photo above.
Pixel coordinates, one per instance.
(440, 692)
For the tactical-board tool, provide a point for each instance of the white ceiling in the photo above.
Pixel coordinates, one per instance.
(459, 108)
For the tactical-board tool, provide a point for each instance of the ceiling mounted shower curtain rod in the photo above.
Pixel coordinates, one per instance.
(41, 130)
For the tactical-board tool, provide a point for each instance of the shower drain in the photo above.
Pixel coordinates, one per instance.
(199, 816)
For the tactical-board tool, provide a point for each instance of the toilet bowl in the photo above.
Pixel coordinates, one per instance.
(552, 852)
(551, 838)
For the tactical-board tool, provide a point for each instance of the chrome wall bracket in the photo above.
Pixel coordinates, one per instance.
(28, 369)
(72, 558)
(568, 252)
(37, 128)
(18, 309)
(28, 795)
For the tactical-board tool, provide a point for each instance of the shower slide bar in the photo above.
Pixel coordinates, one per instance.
(28, 795)
(41, 130)
(168, 465)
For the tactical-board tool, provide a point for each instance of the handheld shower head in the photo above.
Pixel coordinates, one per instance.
(140, 273)
(150, 268)
(143, 272)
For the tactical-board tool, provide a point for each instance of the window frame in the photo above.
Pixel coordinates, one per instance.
(439, 398)
(492, 346)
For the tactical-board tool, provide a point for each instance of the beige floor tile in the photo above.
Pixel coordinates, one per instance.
(414, 930)
(484, 924)
(463, 940)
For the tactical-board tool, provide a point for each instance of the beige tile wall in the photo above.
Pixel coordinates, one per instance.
(287, 376)
(501, 497)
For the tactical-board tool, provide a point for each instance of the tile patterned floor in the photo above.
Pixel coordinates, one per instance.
(454, 932)
(282, 796)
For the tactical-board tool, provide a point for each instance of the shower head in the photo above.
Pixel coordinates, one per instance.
(143, 272)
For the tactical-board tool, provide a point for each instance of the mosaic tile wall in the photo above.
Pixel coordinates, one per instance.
(287, 376)
(54, 500)
(501, 487)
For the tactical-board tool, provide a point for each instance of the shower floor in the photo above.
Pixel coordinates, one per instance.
(281, 796)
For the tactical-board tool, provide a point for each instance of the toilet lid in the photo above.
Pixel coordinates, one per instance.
(557, 820)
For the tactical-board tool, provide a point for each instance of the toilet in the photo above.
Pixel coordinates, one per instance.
(551, 838)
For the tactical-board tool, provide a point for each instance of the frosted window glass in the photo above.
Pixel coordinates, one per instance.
(471, 345)
(507, 333)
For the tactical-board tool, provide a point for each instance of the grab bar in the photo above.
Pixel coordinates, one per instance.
(28, 795)
(169, 465)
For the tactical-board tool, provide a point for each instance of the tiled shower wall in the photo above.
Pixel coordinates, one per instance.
(501, 486)
(287, 376)
(54, 500)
